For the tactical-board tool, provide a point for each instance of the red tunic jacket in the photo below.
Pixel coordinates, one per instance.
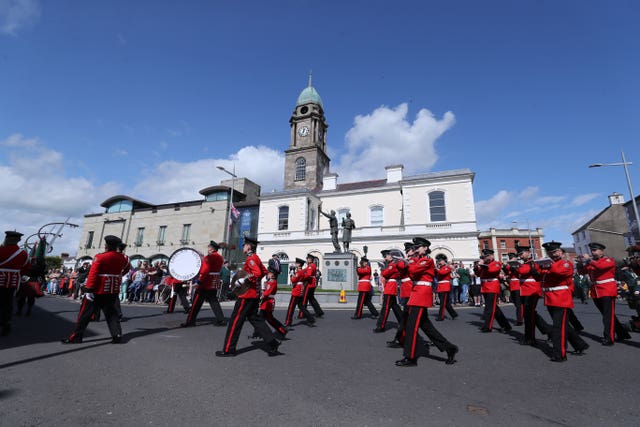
(364, 279)
(297, 281)
(557, 284)
(105, 274)
(12, 269)
(405, 278)
(391, 275)
(422, 271)
(310, 275)
(268, 302)
(529, 285)
(210, 271)
(257, 271)
(443, 274)
(489, 274)
(514, 278)
(602, 273)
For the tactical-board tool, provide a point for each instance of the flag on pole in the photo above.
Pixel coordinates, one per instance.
(235, 213)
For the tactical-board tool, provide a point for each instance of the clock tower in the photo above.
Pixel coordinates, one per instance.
(306, 160)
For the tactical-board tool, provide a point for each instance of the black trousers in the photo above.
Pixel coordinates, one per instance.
(389, 302)
(22, 300)
(364, 298)
(517, 303)
(445, 304)
(418, 319)
(178, 291)
(532, 319)
(6, 305)
(309, 297)
(297, 302)
(105, 303)
(202, 295)
(561, 331)
(402, 325)
(492, 311)
(612, 326)
(275, 323)
(246, 309)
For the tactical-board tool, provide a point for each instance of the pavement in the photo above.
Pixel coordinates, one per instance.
(337, 373)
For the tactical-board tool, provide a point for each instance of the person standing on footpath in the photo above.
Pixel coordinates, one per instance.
(604, 291)
(102, 290)
(247, 305)
(422, 273)
(14, 263)
(464, 280)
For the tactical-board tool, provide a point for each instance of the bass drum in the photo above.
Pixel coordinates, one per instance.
(184, 264)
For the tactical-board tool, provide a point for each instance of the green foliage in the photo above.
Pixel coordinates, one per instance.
(53, 262)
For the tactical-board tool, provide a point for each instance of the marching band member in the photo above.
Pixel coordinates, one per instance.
(530, 292)
(364, 290)
(102, 290)
(178, 289)
(511, 269)
(391, 274)
(297, 289)
(208, 285)
(311, 283)
(443, 275)
(557, 290)
(247, 305)
(268, 304)
(604, 291)
(422, 273)
(14, 262)
(406, 285)
(488, 269)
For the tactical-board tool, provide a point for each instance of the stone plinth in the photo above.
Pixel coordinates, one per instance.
(339, 271)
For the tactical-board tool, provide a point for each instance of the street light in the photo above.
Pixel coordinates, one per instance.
(228, 231)
(533, 249)
(624, 164)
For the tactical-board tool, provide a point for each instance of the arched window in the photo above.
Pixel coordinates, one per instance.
(301, 169)
(283, 218)
(342, 214)
(437, 208)
(376, 216)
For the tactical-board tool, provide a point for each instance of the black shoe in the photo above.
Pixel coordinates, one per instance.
(505, 330)
(451, 355)
(579, 329)
(71, 340)
(221, 323)
(581, 351)
(519, 323)
(6, 330)
(439, 319)
(18, 313)
(116, 340)
(406, 362)
(374, 316)
(221, 353)
(558, 359)
(378, 330)
(485, 330)
(321, 315)
(394, 344)
(607, 343)
(355, 317)
(187, 325)
(273, 349)
(28, 313)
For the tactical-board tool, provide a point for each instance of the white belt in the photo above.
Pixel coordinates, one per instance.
(556, 288)
(364, 280)
(421, 283)
(406, 279)
(391, 280)
(8, 270)
(489, 280)
(529, 280)
(110, 275)
(214, 274)
(600, 282)
(444, 281)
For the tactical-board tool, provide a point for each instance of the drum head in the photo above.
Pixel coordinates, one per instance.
(184, 264)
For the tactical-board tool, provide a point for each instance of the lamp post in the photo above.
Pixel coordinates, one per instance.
(624, 164)
(228, 231)
(533, 248)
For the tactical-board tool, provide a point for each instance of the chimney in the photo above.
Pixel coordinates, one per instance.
(394, 173)
(329, 181)
(616, 199)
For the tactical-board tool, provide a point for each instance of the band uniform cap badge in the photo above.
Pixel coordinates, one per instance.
(252, 262)
(423, 262)
(607, 259)
(566, 265)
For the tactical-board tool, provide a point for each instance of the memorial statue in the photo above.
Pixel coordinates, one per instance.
(347, 225)
(333, 225)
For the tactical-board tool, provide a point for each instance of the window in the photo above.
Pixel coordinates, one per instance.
(504, 257)
(186, 233)
(162, 231)
(283, 218)
(301, 169)
(503, 244)
(120, 206)
(485, 244)
(312, 219)
(375, 216)
(216, 196)
(89, 240)
(436, 206)
(342, 214)
(140, 236)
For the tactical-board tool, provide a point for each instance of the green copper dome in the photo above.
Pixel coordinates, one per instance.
(309, 94)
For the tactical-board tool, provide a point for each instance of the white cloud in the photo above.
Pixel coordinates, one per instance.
(584, 198)
(17, 14)
(34, 189)
(172, 181)
(386, 137)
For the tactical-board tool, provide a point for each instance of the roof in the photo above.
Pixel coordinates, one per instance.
(361, 185)
(136, 203)
(594, 219)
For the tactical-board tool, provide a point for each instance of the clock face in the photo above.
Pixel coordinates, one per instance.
(303, 131)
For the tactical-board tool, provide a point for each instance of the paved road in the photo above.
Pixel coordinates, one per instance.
(338, 373)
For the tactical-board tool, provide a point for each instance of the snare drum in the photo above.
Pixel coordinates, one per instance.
(184, 264)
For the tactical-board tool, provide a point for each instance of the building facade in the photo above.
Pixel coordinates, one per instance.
(504, 241)
(387, 212)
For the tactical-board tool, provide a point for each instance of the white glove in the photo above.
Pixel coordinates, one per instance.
(89, 296)
(240, 281)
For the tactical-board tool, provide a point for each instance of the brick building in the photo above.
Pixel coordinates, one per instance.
(503, 241)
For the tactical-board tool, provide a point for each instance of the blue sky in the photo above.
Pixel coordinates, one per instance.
(145, 98)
